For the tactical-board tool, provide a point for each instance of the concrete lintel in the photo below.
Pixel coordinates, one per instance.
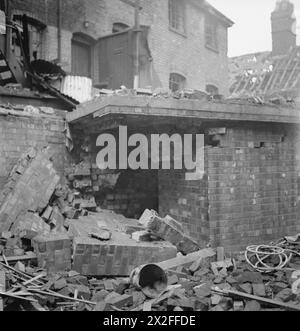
(150, 106)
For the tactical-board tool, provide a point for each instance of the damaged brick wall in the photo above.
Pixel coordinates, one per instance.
(134, 192)
(125, 192)
(186, 201)
(250, 194)
(253, 186)
(17, 134)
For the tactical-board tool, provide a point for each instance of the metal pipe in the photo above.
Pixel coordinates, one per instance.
(59, 44)
(137, 29)
(9, 31)
(151, 279)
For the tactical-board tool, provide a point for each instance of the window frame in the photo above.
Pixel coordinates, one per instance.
(177, 16)
(212, 87)
(35, 28)
(177, 79)
(87, 42)
(211, 31)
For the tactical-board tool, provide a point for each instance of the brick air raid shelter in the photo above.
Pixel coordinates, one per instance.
(250, 191)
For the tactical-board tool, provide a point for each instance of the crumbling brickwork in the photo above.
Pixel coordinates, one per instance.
(17, 134)
(30, 188)
(188, 202)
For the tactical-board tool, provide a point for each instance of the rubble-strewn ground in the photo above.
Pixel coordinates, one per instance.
(61, 252)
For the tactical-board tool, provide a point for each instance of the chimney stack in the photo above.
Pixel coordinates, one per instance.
(283, 27)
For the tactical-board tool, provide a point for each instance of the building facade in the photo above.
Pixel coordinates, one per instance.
(187, 40)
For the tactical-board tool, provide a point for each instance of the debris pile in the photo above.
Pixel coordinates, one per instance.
(195, 282)
(60, 253)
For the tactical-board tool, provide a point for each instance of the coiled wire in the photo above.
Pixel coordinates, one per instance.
(257, 256)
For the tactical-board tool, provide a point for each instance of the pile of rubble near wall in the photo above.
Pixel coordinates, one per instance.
(61, 253)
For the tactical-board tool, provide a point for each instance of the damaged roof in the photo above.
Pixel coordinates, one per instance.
(262, 74)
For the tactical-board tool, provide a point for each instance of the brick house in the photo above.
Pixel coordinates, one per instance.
(186, 41)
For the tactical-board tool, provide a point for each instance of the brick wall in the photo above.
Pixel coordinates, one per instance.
(17, 134)
(172, 52)
(250, 194)
(125, 192)
(185, 201)
(253, 186)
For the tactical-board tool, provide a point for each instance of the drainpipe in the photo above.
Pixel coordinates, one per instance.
(137, 30)
(8, 31)
(59, 31)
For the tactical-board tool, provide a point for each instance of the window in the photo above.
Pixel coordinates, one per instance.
(177, 82)
(35, 33)
(212, 90)
(211, 33)
(177, 15)
(118, 27)
(82, 55)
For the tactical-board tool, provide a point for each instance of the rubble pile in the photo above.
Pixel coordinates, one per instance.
(61, 253)
(195, 283)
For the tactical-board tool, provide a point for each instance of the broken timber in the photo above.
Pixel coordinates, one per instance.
(186, 260)
(19, 258)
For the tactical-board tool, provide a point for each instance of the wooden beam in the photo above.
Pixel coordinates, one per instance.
(186, 260)
(19, 258)
(2, 287)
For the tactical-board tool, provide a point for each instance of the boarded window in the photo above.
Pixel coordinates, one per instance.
(211, 33)
(177, 82)
(81, 56)
(212, 90)
(177, 15)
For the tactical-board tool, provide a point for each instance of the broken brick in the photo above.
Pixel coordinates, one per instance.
(259, 290)
(29, 226)
(203, 290)
(53, 252)
(121, 301)
(32, 190)
(252, 306)
(100, 296)
(246, 288)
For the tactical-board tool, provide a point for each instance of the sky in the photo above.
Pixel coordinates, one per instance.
(252, 30)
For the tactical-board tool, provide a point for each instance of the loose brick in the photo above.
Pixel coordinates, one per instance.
(170, 230)
(29, 226)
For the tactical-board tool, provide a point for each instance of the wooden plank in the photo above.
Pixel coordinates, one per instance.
(43, 274)
(56, 295)
(262, 300)
(11, 295)
(2, 287)
(292, 74)
(186, 260)
(19, 258)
